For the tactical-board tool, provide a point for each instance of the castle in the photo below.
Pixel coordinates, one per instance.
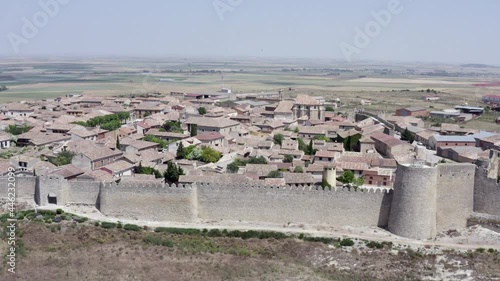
(424, 201)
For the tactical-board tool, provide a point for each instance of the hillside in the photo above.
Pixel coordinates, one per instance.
(72, 250)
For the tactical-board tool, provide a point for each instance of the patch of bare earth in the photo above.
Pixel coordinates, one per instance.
(71, 251)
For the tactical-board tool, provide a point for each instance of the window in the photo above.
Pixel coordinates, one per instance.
(384, 183)
(370, 182)
(371, 178)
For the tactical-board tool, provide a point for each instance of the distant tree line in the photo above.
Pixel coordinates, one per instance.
(3, 88)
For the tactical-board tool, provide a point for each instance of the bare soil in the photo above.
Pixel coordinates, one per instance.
(73, 251)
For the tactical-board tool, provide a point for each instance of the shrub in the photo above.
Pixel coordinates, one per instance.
(59, 211)
(158, 241)
(374, 244)
(480, 250)
(96, 223)
(323, 240)
(132, 227)
(346, 242)
(214, 233)
(491, 250)
(186, 231)
(108, 225)
(80, 219)
(119, 225)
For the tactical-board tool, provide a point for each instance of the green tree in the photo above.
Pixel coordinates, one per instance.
(237, 163)
(348, 143)
(358, 181)
(325, 184)
(346, 177)
(275, 174)
(147, 171)
(257, 160)
(17, 130)
(193, 152)
(173, 172)
(163, 143)
(296, 130)
(181, 153)
(234, 166)
(210, 155)
(202, 111)
(325, 138)
(407, 136)
(329, 108)
(63, 158)
(118, 143)
(302, 145)
(288, 158)
(278, 139)
(172, 126)
(194, 130)
(298, 169)
(310, 149)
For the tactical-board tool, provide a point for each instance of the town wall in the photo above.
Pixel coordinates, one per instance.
(293, 205)
(149, 201)
(413, 210)
(486, 194)
(425, 200)
(455, 195)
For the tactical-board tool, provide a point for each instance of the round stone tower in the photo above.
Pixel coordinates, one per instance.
(413, 210)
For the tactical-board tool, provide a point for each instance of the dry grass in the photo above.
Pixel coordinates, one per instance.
(86, 252)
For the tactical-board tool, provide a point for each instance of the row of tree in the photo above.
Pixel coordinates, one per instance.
(108, 122)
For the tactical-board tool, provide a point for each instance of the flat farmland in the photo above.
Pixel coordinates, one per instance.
(388, 86)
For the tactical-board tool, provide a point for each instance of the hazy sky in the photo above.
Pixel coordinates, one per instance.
(423, 30)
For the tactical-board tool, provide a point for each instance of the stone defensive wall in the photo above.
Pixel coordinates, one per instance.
(149, 201)
(486, 194)
(294, 204)
(425, 200)
(455, 195)
(431, 199)
(413, 212)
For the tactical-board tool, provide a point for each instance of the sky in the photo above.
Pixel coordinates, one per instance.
(449, 31)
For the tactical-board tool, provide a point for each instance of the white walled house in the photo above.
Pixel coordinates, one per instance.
(5, 141)
(18, 110)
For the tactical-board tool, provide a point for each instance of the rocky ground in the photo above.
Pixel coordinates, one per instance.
(72, 250)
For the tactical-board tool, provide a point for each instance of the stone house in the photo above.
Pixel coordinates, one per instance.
(308, 106)
(390, 146)
(213, 139)
(414, 111)
(91, 157)
(5, 140)
(221, 125)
